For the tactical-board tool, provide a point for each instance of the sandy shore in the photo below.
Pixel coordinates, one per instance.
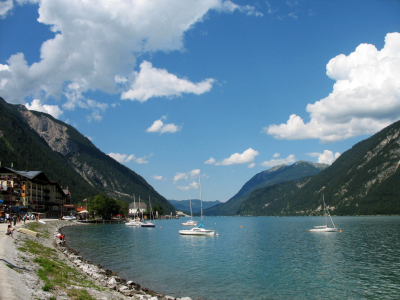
(19, 267)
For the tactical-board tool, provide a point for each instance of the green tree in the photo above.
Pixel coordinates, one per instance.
(104, 206)
(159, 209)
(123, 207)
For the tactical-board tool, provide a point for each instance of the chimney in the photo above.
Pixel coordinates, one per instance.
(11, 165)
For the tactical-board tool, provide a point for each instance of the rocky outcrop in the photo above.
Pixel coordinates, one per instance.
(54, 133)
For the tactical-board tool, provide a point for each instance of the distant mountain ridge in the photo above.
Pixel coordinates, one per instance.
(184, 205)
(265, 178)
(364, 180)
(36, 141)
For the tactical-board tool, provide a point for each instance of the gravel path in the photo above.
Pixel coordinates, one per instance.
(19, 273)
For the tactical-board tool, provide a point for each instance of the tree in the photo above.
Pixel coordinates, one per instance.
(104, 206)
(123, 207)
(159, 209)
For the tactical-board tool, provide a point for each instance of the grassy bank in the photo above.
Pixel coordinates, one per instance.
(57, 275)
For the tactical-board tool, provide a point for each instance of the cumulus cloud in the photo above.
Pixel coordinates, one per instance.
(211, 161)
(282, 161)
(247, 157)
(5, 7)
(52, 110)
(122, 158)
(159, 126)
(143, 160)
(151, 82)
(187, 176)
(365, 97)
(96, 45)
(192, 185)
(158, 177)
(125, 158)
(325, 158)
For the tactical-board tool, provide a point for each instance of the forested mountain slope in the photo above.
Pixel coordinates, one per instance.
(36, 141)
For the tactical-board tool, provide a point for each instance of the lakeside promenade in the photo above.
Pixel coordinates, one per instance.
(7, 252)
(19, 271)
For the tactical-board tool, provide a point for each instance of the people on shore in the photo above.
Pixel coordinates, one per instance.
(10, 231)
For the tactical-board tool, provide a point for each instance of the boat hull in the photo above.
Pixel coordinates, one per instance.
(148, 225)
(197, 232)
(135, 223)
(189, 223)
(323, 230)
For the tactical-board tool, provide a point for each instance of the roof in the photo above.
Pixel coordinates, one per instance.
(27, 174)
(135, 205)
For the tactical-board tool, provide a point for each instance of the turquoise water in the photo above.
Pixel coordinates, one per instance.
(268, 258)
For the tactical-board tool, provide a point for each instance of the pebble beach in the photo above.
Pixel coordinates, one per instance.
(26, 264)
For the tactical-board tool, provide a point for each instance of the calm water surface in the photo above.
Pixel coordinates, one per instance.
(268, 258)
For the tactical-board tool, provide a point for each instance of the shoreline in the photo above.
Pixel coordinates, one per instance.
(17, 265)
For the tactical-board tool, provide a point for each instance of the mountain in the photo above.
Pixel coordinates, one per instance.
(363, 181)
(184, 205)
(269, 177)
(36, 141)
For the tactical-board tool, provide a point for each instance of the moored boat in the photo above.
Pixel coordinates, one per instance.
(325, 228)
(199, 230)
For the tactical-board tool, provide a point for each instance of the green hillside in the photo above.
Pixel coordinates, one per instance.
(363, 181)
(269, 177)
(79, 165)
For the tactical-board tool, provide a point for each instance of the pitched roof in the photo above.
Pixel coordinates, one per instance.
(135, 205)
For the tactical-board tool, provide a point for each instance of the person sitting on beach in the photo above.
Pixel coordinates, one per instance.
(9, 231)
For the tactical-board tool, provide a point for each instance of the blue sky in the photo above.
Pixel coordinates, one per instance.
(226, 89)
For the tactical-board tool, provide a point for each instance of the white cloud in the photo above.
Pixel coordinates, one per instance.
(122, 158)
(276, 155)
(159, 126)
(187, 176)
(246, 157)
(282, 161)
(5, 7)
(194, 174)
(52, 110)
(252, 165)
(211, 161)
(192, 185)
(143, 160)
(96, 45)
(157, 177)
(365, 97)
(151, 82)
(326, 158)
(125, 158)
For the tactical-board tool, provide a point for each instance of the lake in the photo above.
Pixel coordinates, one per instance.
(252, 257)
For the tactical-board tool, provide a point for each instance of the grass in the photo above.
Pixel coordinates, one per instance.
(39, 227)
(54, 273)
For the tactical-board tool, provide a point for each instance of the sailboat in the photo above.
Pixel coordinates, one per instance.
(199, 230)
(149, 224)
(325, 228)
(191, 222)
(136, 220)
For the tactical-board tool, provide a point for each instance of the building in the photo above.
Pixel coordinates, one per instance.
(31, 191)
(135, 208)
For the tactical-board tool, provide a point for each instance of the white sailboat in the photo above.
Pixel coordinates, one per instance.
(199, 230)
(325, 228)
(149, 224)
(191, 222)
(136, 220)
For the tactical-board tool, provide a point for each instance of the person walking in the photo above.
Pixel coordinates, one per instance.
(14, 220)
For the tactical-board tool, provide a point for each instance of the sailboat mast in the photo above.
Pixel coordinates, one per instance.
(201, 200)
